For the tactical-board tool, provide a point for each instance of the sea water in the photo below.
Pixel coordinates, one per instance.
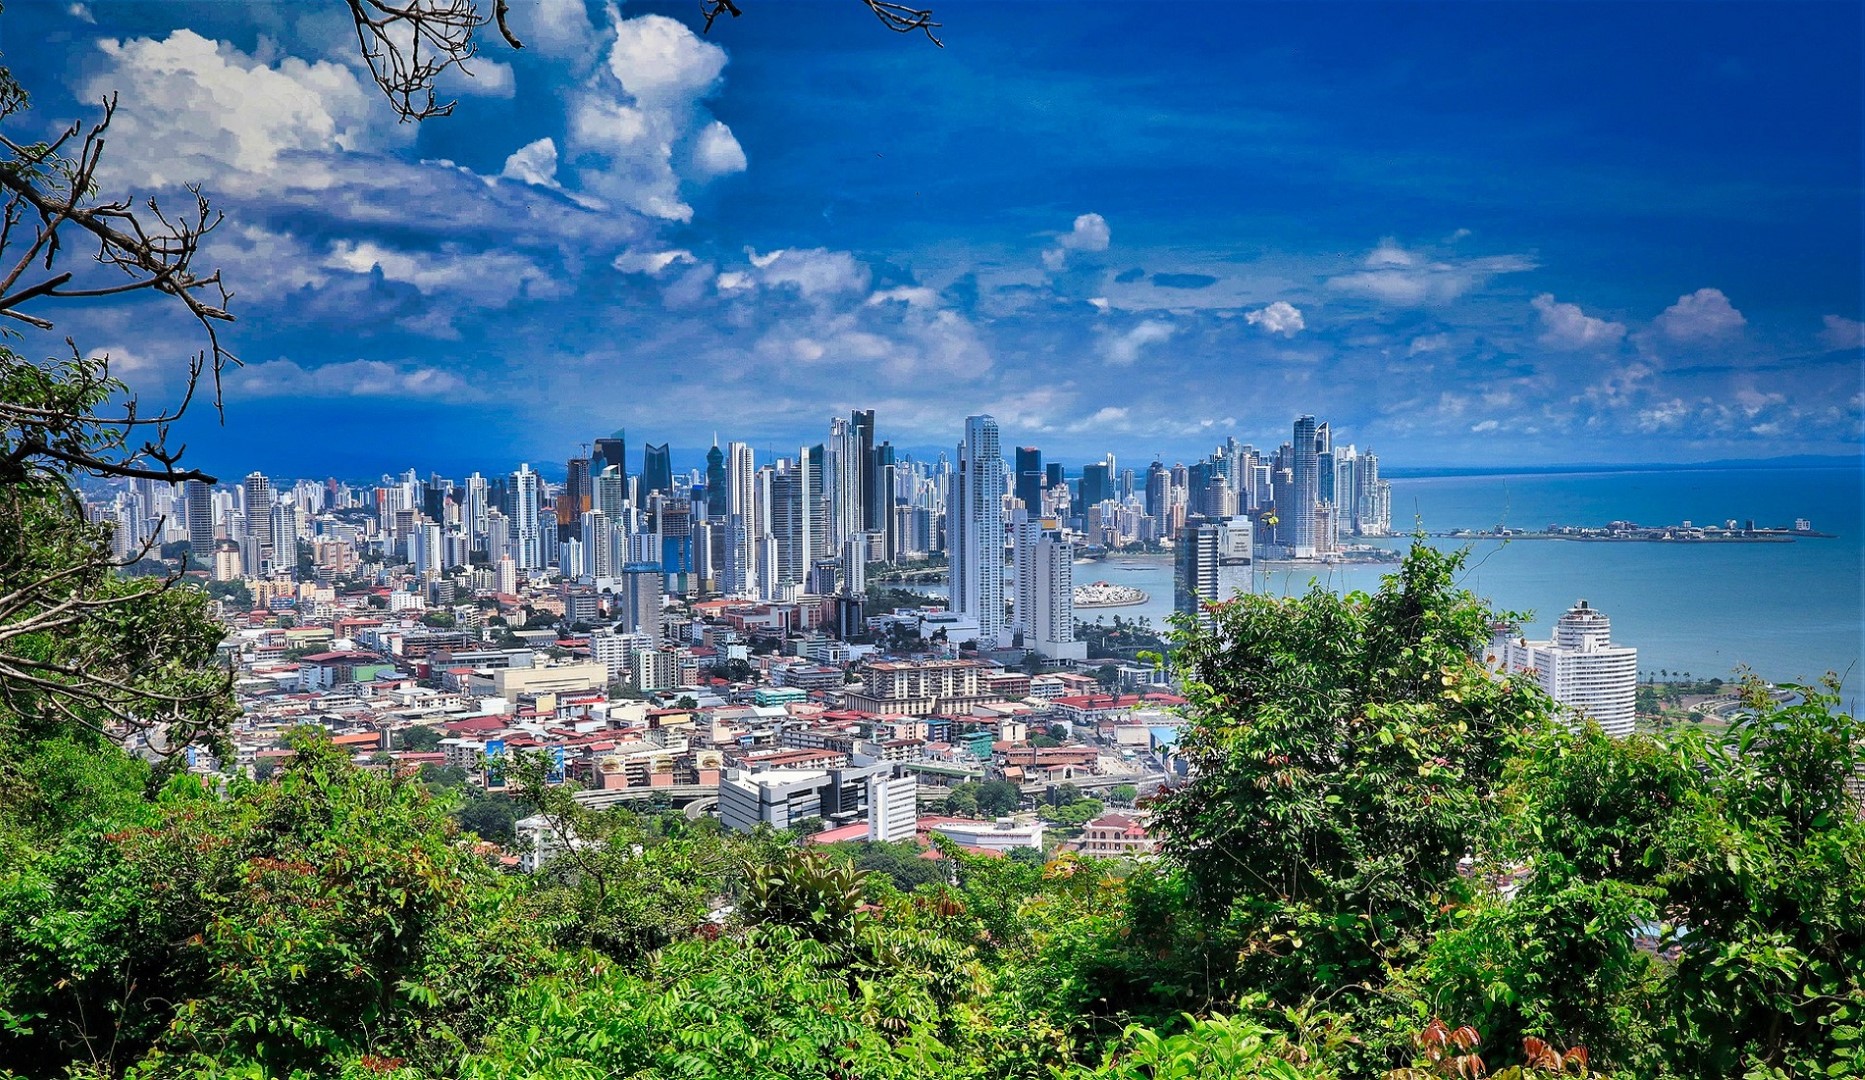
(1787, 611)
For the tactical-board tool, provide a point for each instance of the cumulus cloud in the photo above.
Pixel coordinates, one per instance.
(199, 110)
(1089, 233)
(1565, 326)
(814, 273)
(639, 130)
(1700, 315)
(1280, 317)
(717, 153)
(1123, 348)
(1390, 274)
(559, 28)
(353, 378)
(1842, 333)
(533, 163)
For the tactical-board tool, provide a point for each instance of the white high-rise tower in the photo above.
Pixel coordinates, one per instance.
(975, 521)
(1580, 667)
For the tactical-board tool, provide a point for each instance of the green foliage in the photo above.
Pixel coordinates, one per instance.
(419, 738)
(996, 798)
(1345, 749)
(327, 913)
(83, 649)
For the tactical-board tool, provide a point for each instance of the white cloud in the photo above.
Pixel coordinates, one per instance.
(353, 378)
(657, 59)
(1280, 317)
(199, 110)
(815, 273)
(912, 295)
(717, 153)
(559, 28)
(481, 78)
(1484, 427)
(1703, 314)
(1124, 348)
(1428, 343)
(639, 130)
(1842, 333)
(1663, 416)
(533, 163)
(494, 278)
(650, 262)
(1089, 233)
(1392, 275)
(82, 13)
(1106, 418)
(1565, 326)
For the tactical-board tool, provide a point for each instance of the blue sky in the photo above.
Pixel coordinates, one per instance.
(1475, 234)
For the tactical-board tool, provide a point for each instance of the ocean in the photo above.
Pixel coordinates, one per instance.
(1788, 612)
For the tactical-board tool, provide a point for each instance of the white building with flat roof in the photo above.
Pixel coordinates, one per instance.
(1579, 667)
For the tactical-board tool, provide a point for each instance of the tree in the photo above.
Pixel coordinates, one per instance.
(1108, 675)
(1343, 750)
(490, 817)
(419, 738)
(997, 798)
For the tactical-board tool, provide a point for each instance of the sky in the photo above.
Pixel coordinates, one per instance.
(1465, 234)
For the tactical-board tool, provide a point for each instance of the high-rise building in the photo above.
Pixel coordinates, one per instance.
(576, 487)
(1097, 484)
(642, 589)
(259, 513)
(656, 470)
(200, 513)
(1299, 516)
(527, 539)
(874, 501)
(1579, 667)
(975, 520)
(610, 451)
(1030, 479)
(716, 497)
(1215, 563)
(1044, 612)
(475, 510)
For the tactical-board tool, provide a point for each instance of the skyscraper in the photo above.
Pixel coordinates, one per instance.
(656, 470)
(1580, 667)
(1045, 604)
(1097, 484)
(716, 496)
(576, 485)
(975, 520)
(873, 504)
(259, 514)
(200, 513)
(526, 529)
(610, 451)
(1215, 563)
(1030, 479)
(1299, 515)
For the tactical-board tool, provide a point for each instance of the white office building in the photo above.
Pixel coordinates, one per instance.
(893, 808)
(1580, 667)
(1045, 605)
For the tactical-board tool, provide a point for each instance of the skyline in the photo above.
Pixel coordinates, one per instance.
(1522, 234)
